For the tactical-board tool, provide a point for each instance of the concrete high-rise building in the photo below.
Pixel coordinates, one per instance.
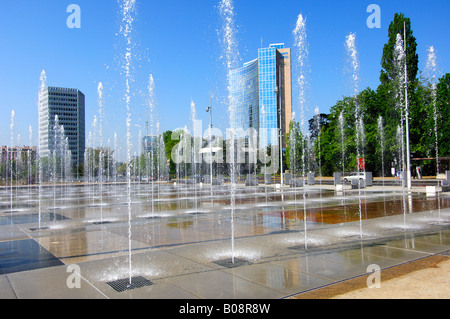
(261, 94)
(62, 117)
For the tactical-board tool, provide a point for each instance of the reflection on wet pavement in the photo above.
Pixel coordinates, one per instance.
(179, 237)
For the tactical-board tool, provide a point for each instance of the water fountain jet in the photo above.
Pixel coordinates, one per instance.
(226, 9)
(300, 41)
(350, 45)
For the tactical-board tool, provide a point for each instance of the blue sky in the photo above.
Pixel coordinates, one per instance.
(177, 42)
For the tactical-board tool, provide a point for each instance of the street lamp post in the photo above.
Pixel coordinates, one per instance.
(277, 92)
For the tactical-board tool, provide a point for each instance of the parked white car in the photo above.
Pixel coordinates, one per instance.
(355, 176)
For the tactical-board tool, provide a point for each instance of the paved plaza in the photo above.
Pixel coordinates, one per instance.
(181, 244)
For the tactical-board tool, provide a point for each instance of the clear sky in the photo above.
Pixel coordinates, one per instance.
(177, 41)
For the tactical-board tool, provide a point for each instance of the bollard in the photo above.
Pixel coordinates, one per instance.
(337, 179)
(369, 179)
(311, 180)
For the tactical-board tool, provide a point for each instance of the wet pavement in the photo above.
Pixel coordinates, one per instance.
(180, 239)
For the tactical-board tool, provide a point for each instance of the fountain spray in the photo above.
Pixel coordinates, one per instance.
(11, 127)
(229, 42)
(43, 85)
(431, 69)
(100, 155)
(300, 42)
(127, 8)
(350, 44)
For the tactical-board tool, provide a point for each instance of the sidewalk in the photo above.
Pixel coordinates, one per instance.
(427, 278)
(428, 283)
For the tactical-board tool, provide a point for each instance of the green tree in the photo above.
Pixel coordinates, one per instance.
(391, 91)
(388, 72)
(443, 108)
(169, 145)
(338, 148)
(294, 147)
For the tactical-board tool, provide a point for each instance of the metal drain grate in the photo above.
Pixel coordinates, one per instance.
(298, 247)
(122, 285)
(37, 229)
(101, 223)
(228, 263)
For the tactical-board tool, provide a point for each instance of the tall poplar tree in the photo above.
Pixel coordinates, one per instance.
(388, 72)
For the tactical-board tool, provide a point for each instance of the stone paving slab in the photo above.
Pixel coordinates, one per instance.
(184, 276)
(178, 254)
(50, 283)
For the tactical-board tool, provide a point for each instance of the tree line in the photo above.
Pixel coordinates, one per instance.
(383, 113)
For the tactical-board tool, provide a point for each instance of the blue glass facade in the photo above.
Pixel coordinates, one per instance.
(255, 102)
(267, 96)
(244, 83)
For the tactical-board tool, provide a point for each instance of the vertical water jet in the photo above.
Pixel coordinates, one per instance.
(301, 51)
(231, 56)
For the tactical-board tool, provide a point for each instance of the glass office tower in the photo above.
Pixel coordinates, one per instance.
(268, 96)
(260, 90)
(67, 106)
(245, 96)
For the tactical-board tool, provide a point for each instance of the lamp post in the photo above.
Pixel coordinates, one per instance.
(209, 110)
(277, 92)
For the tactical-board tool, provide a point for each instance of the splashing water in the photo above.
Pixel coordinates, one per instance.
(399, 51)
(196, 146)
(432, 62)
(382, 140)
(194, 154)
(151, 103)
(350, 44)
(342, 131)
(229, 45)
(127, 8)
(228, 40)
(431, 69)
(100, 161)
(11, 127)
(319, 135)
(431, 72)
(301, 46)
(342, 136)
(352, 52)
(301, 49)
(193, 114)
(42, 86)
(399, 57)
(100, 111)
(230, 49)
(30, 141)
(399, 140)
(399, 63)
